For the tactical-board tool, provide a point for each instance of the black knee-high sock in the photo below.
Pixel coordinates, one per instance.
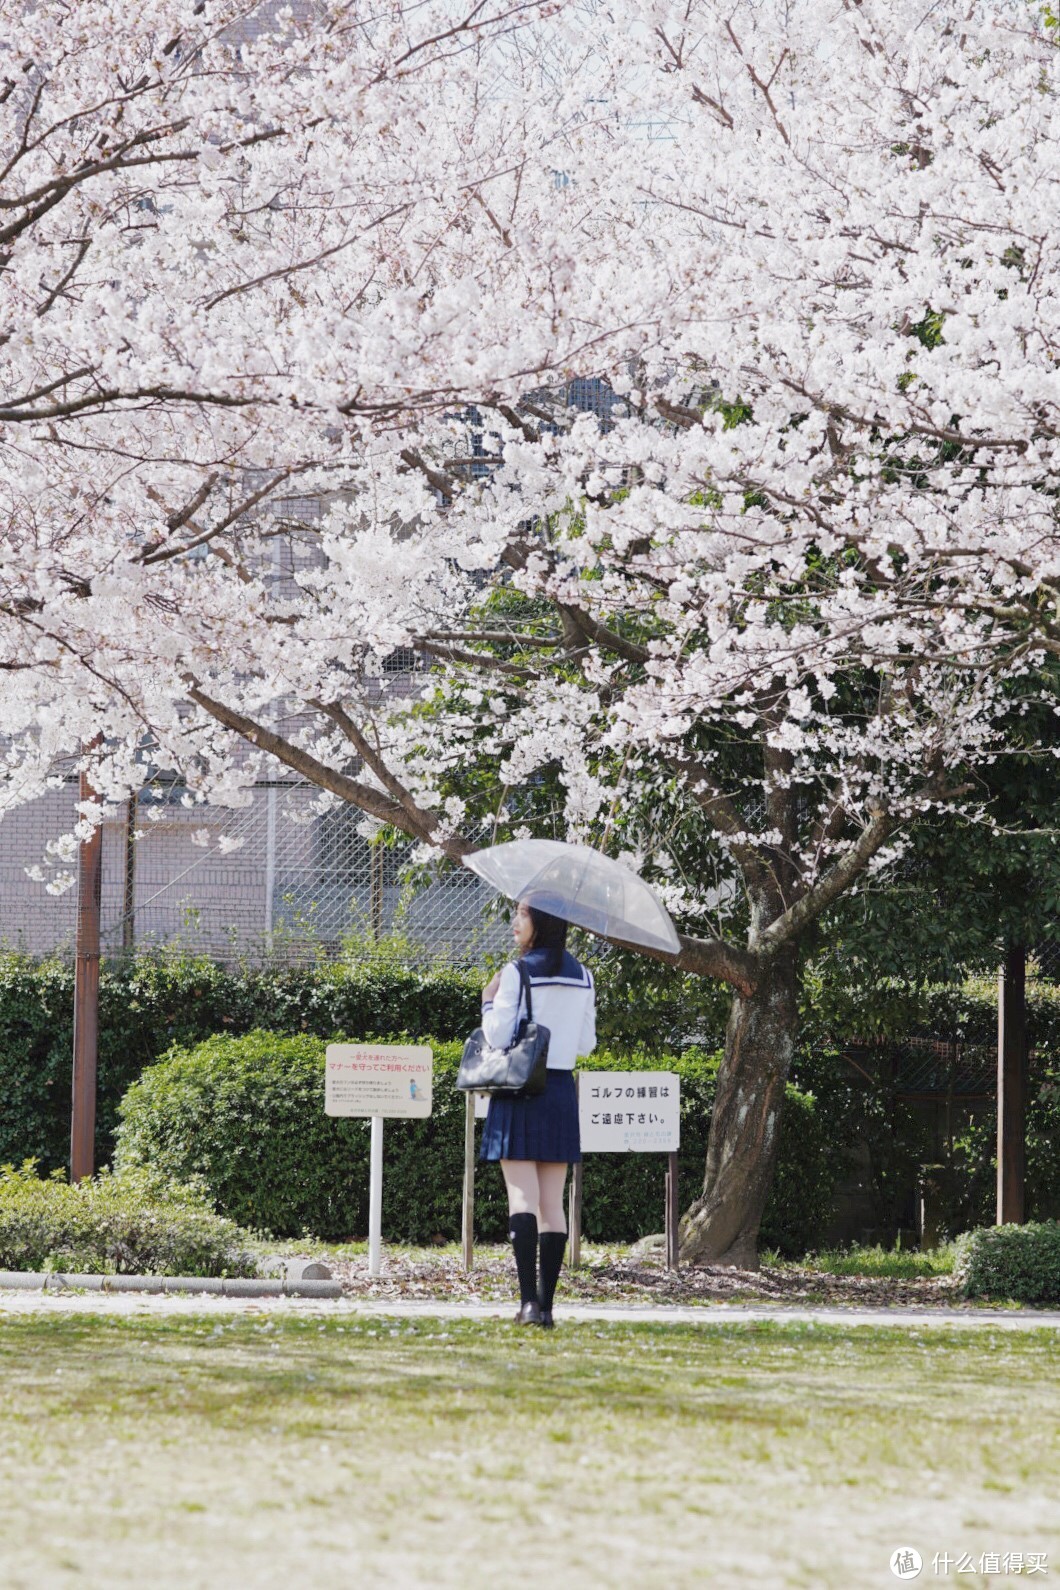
(552, 1245)
(522, 1230)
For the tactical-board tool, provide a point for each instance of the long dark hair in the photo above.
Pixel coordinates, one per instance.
(550, 933)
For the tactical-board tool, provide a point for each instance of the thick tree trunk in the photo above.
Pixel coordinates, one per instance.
(721, 1227)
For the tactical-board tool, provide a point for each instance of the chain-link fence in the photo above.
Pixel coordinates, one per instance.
(278, 878)
(1043, 961)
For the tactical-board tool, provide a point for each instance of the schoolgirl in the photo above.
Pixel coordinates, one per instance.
(536, 1139)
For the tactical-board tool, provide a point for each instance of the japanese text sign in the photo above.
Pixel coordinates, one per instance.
(386, 1079)
(623, 1112)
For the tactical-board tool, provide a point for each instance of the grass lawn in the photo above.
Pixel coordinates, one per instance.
(289, 1451)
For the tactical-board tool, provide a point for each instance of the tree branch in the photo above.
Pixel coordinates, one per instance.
(420, 824)
(720, 811)
(437, 479)
(828, 888)
(374, 802)
(703, 958)
(601, 635)
(478, 659)
(490, 637)
(160, 554)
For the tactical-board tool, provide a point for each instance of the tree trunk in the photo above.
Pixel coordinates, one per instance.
(721, 1227)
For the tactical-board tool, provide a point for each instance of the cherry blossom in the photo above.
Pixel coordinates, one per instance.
(294, 308)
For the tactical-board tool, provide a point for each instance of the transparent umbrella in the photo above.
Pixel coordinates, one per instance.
(580, 885)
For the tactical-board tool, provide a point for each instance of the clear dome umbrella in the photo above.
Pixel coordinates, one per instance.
(580, 885)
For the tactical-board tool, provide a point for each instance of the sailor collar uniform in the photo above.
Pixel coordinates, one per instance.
(564, 1002)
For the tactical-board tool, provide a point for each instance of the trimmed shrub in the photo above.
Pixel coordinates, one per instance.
(247, 1115)
(1017, 1262)
(134, 1224)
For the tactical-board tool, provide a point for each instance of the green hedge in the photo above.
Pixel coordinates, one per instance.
(1021, 1263)
(246, 1114)
(135, 1224)
(152, 1002)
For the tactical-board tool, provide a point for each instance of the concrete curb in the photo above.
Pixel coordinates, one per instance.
(27, 1294)
(189, 1285)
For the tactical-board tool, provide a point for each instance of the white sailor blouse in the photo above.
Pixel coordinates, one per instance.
(564, 1002)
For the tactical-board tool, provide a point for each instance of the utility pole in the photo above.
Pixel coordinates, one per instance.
(1012, 1087)
(128, 900)
(86, 993)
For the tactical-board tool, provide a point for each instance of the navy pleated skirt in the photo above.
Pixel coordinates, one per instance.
(545, 1127)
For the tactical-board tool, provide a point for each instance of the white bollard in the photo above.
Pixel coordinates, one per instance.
(375, 1199)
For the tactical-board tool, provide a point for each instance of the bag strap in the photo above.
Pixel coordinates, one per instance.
(524, 978)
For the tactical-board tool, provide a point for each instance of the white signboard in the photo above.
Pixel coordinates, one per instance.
(384, 1079)
(623, 1112)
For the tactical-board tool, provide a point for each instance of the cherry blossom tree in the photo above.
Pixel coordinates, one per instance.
(780, 589)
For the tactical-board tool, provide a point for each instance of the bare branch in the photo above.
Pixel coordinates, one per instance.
(478, 659)
(835, 881)
(419, 822)
(437, 479)
(374, 802)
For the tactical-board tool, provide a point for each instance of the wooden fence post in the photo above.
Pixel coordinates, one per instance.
(1012, 1087)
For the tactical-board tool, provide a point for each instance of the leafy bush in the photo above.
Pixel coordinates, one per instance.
(135, 1223)
(1017, 1262)
(247, 1115)
(150, 1003)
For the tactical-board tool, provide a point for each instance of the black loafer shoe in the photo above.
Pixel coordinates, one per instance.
(529, 1314)
(546, 1320)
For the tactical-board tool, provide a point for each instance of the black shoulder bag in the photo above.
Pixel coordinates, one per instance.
(517, 1072)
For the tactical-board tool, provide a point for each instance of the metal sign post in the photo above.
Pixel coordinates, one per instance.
(467, 1224)
(574, 1214)
(377, 1081)
(375, 1199)
(476, 1108)
(673, 1215)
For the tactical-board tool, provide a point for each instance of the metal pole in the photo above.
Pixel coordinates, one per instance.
(375, 1199)
(86, 994)
(468, 1218)
(375, 895)
(574, 1200)
(574, 1214)
(673, 1217)
(270, 798)
(128, 901)
(1012, 1087)
(270, 865)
